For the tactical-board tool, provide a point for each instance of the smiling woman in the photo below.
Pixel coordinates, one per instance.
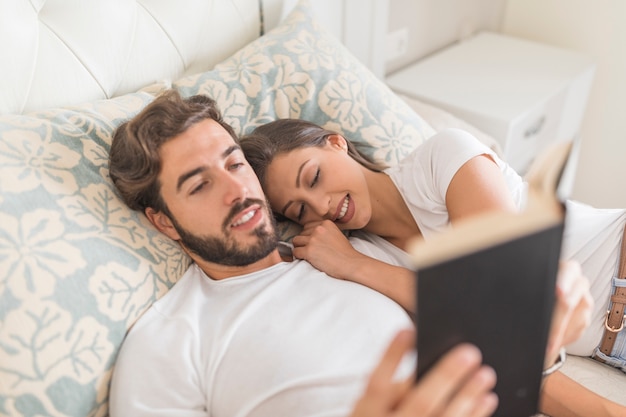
(305, 171)
(312, 174)
(316, 183)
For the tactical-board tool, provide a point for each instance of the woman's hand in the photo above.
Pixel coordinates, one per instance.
(325, 246)
(572, 310)
(328, 249)
(456, 386)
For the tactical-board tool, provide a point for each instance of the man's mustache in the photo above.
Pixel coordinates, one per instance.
(239, 207)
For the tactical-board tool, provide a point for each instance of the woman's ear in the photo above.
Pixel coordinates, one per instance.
(338, 141)
(162, 222)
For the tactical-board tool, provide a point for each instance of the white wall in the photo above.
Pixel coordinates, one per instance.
(434, 24)
(597, 28)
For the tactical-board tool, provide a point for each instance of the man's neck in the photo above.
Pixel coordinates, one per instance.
(219, 272)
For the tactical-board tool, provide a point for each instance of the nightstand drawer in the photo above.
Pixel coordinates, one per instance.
(533, 131)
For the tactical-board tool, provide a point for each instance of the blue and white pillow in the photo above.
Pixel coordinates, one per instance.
(77, 267)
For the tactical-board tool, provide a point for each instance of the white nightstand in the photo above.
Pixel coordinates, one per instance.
(523, 93)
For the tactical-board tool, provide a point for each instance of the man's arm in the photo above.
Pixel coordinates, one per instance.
(155, 373)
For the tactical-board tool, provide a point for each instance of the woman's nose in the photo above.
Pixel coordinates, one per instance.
(320, 206)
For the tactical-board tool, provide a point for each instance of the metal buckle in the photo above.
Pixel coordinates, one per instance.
(611, 329)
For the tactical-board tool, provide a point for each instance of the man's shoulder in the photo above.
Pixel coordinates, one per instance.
(177, 298)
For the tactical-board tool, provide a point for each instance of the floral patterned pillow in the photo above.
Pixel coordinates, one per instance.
(300, 70)
(77, 267)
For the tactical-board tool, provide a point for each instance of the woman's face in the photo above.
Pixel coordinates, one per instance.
(318, 183)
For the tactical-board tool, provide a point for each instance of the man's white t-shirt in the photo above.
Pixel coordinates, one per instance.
(285, 341)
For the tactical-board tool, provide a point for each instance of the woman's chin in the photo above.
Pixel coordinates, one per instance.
(353, 224)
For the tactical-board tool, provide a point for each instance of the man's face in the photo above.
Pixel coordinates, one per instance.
(216, 205)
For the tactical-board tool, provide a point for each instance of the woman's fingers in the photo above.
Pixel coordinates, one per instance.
(572, 310)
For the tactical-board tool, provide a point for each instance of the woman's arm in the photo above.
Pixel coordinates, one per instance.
(478, 187)
(564, 397)
(324, 246)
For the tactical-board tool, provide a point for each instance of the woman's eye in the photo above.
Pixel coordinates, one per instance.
(236, 165)
(315, 178)
(300, 213)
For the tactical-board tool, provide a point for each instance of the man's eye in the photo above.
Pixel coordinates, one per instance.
(198, 188)
(236, 165)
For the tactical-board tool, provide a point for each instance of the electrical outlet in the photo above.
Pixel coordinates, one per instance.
(397, 43)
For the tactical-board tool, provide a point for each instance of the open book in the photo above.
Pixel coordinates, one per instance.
(490, 281)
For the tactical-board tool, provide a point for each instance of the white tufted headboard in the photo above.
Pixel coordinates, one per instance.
(60, 52)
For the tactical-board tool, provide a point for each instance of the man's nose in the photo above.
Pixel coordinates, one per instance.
(235, 189)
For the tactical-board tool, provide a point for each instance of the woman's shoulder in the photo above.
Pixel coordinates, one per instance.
(447, 146)
(453, 139)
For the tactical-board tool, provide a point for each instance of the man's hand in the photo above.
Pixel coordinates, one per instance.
(456, 386)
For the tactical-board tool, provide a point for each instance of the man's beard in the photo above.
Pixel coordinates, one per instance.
(224, 250)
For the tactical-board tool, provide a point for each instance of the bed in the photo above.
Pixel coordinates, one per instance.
(77, 267)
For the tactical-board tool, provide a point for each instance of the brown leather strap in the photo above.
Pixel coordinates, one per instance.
(615, 318)
(622, 260)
